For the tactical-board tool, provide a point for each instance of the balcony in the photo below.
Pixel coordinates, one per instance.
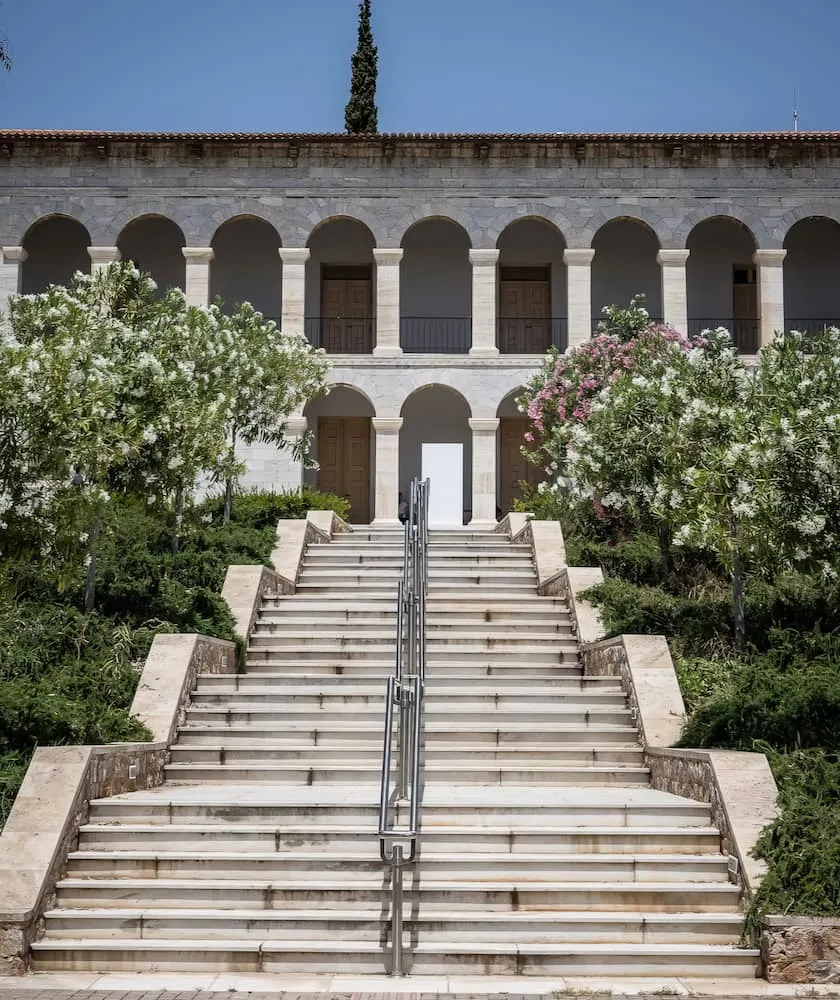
(532, 336)
(744, 332)
(341, 334)
(436, 334)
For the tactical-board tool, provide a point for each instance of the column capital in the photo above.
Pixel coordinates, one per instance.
(672, 258)
(388, 258)
(197, 255)
(294, 255)
(578, 258)
(296, 426)
(104, 255)
(482, 425)
(769, 258)
(387, 425)
(14, 255)
(484, 258)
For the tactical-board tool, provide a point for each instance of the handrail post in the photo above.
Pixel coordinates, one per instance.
(397, 913)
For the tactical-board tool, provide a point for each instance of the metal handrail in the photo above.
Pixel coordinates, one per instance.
(404, 690)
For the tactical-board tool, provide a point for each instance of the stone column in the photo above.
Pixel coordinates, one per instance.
(484, 470)
(11, 268)
(484, 302)
(771, 293)
(197, 285)
(387, 341)
(294, 288)
(674, 294)
(102, 257)
(387, 469)
(579, 285)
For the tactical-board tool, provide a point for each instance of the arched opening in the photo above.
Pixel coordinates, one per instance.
(343, 448)
(340, 312)
(812, 275)
(513, 468)
(721, 281)
(532, 288)
(56, 248)
(436, 289)
(625, 265)
(436, 442)
(246, 266)
(156, 244)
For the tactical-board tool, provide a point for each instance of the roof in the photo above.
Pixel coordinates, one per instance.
(79, 135)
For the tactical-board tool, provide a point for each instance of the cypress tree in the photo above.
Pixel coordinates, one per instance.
(361, 114)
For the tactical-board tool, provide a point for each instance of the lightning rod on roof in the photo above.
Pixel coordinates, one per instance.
(795, 113)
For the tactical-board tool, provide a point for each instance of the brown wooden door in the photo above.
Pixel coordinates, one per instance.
(347, 311)
(525, 310)
(745, 308)
(514, 467)
(344, 462)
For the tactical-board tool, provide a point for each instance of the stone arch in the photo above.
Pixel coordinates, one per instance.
(21, 221)
(530, 211)
(155, 243)
(640, 214)
(246, 265)
(434, 413)
(149, 208)
(411, 219)
(721, 283)
(436, 287)
(812, 210)
(812, 274)
(625, 265)
(532, 287)
(721, 210)
(56, 248)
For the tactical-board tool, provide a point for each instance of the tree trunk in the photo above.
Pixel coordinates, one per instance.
(228, 510)
(664, 534)
(90, 576)
(737, 576)
(179, 518)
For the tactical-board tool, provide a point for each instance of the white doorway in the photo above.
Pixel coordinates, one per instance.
(443, 466)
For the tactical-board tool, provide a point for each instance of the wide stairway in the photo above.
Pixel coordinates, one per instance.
(544, 851)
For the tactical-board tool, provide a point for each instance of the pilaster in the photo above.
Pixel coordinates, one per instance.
(102, 257)
(387, 302)
(674, 288)
(484, 470)
(579, 292)
(771, 293)
(294, 288)
(197, 285)
(11, 273)
(484, 271)
(386, 502)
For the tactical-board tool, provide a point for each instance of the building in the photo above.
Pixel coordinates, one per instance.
(436, 269)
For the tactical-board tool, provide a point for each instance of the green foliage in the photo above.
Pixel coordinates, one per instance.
(263, 510)
(361, 115)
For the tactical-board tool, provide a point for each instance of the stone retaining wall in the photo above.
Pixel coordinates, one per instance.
(800, 949)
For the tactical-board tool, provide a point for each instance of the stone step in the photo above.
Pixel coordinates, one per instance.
(362, 957)
(442, 653)
(363, 576)
(277, 892)
(490, 638)
(513, 839)
(437, 683)
(339, 771)
(432, 867)
(436, 625)
(364, 556)
(466, 604)
(365, 924)
(382, 668)
(470, 698)
(453, 733)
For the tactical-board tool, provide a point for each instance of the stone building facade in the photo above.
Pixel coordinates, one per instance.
(436, 269)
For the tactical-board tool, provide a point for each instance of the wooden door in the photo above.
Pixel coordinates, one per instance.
(347, 310)
(525, 310)
(344, 462)
(745, 308)
(514, 467)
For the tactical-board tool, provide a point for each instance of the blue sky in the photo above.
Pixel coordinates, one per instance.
(445, 65)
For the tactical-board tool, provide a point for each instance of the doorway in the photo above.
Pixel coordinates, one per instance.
(344, 460)
(347, 309)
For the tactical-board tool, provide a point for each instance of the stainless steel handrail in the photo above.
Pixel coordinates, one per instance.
(404, 690)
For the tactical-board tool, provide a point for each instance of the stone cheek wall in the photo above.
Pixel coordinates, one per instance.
(609, 659)
(297, 184)
(800, 949)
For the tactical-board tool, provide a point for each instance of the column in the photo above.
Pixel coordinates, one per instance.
(771, 293)
(11, 273)
(197, 285)
(674, 293)
(387, 302)
(387, 469)
(294, 288)
(579, 292)
(102, 257)
(484, 470)
(484, 302)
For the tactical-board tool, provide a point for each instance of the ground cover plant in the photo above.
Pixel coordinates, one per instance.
(708, 493)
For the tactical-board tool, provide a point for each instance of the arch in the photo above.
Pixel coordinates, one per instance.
(56, 247)
(435, 414)
(813, 210)
(343, 218)
(507, 408)
(149, 208)
(721, 210)
(155, 244)
(721, 283)
(641, 214)
(344, 448)
(532, 287)
(246, 265)
(436, 287)
(812, 274)
(625, 265)
(530, 212)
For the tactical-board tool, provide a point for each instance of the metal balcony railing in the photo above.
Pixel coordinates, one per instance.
(810, 327)
(744, 332)
(436, 334)
(531, 336)
(341, 334)
(598, 320)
